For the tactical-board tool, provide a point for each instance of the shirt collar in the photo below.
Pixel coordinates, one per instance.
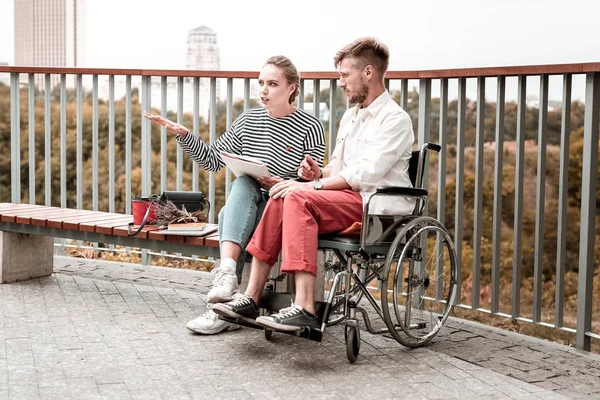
(376, 105)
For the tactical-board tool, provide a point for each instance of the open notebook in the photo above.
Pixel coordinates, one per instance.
(244, 165)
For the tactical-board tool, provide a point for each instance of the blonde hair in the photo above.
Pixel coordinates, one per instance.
(367, 51)
(289, 71)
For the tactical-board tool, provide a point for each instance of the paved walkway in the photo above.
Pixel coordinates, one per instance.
(99, 330)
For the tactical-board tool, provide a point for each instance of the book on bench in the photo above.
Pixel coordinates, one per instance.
(190, 229)
(245, 165)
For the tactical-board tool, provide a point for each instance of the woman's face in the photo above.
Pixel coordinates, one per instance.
(275, 91)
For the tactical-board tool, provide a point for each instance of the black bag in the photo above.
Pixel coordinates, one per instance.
(192, 201)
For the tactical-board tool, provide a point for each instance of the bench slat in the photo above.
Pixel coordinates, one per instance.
(42, 219)
(108, 223)
(69, 219)
(9, 214)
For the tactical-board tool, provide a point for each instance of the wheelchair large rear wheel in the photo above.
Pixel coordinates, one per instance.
(419, 282)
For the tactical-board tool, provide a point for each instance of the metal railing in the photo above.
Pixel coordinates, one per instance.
(447, 106)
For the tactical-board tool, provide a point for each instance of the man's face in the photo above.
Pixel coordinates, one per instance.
(352, 80)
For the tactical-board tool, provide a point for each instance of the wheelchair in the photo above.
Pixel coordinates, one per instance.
(402, 268)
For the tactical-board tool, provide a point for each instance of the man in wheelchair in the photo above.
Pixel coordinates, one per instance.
(373, 149)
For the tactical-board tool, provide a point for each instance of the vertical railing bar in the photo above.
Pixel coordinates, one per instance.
(163, 135)
(317, 98)
(587, 230)
(146, 147)
(63, 140)
(31, 128)
(47, 142)
(111, 147)
(497, 218)
(404, 94)
(79, 149)
(518, 212)
(179, 121)
(146, 107)
(128, 144)
(301, 95)
(163, 138)
(228, 122)
(212, 138)
(479, 172)
(441, 197)
(111, 144)
(538, 263)
(95, 142)
(246, 93)
(195, 127)
(423, 130)
(332, 117)
(386, 83)
(460, 180)
(561, 246)
(15, 139)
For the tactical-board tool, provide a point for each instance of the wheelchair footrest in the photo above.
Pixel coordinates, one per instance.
(306, 332)
(239, 321)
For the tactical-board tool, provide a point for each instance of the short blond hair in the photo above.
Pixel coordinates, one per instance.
(367, 51)
(289, 71)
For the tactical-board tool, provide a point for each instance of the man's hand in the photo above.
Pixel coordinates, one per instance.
(284, 188)
(172, 127)
(267, 183)
(309, 169)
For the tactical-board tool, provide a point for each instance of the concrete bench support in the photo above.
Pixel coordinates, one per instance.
(24, 256)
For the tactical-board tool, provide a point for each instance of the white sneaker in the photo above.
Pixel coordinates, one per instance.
(209, 324)
(224, 285)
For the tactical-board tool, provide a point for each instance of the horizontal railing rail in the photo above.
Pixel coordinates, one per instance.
(515, 182)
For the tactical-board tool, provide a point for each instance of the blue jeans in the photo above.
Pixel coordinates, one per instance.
(240, 215)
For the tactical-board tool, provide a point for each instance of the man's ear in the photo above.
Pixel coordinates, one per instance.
(369, 71)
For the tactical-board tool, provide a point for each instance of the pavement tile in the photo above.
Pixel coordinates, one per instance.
(54, 392)
(23, 391)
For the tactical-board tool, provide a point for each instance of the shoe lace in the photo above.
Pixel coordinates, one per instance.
(289, 311)
(240, 299)
(210, 314)
(220, 274)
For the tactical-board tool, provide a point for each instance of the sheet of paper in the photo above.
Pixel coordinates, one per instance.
(244, 165)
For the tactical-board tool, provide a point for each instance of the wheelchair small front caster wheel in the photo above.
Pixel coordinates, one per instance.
(352, 342)
(268, 334)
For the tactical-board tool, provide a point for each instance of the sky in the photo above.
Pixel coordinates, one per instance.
(421, 34)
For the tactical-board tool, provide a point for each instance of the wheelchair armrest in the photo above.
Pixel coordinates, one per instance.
(403, 191)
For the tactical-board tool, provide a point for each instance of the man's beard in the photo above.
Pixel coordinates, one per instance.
(361, 96)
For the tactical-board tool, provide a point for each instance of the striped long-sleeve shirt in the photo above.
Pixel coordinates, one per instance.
(281, 143)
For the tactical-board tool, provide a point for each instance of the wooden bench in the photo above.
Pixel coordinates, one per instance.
(27, 235)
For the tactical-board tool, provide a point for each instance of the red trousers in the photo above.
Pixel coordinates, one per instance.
(292, 225)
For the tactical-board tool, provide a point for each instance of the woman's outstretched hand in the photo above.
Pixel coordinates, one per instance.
(172, 127)
(309, 169)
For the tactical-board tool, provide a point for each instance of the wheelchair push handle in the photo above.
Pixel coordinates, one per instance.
(432, 146)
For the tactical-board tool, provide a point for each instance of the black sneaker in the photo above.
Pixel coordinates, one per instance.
(242, 307)
(289, 319)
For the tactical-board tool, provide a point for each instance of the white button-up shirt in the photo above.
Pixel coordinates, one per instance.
(372, 150)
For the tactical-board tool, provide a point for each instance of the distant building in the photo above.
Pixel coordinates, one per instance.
(49, 33)
(202, 54)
